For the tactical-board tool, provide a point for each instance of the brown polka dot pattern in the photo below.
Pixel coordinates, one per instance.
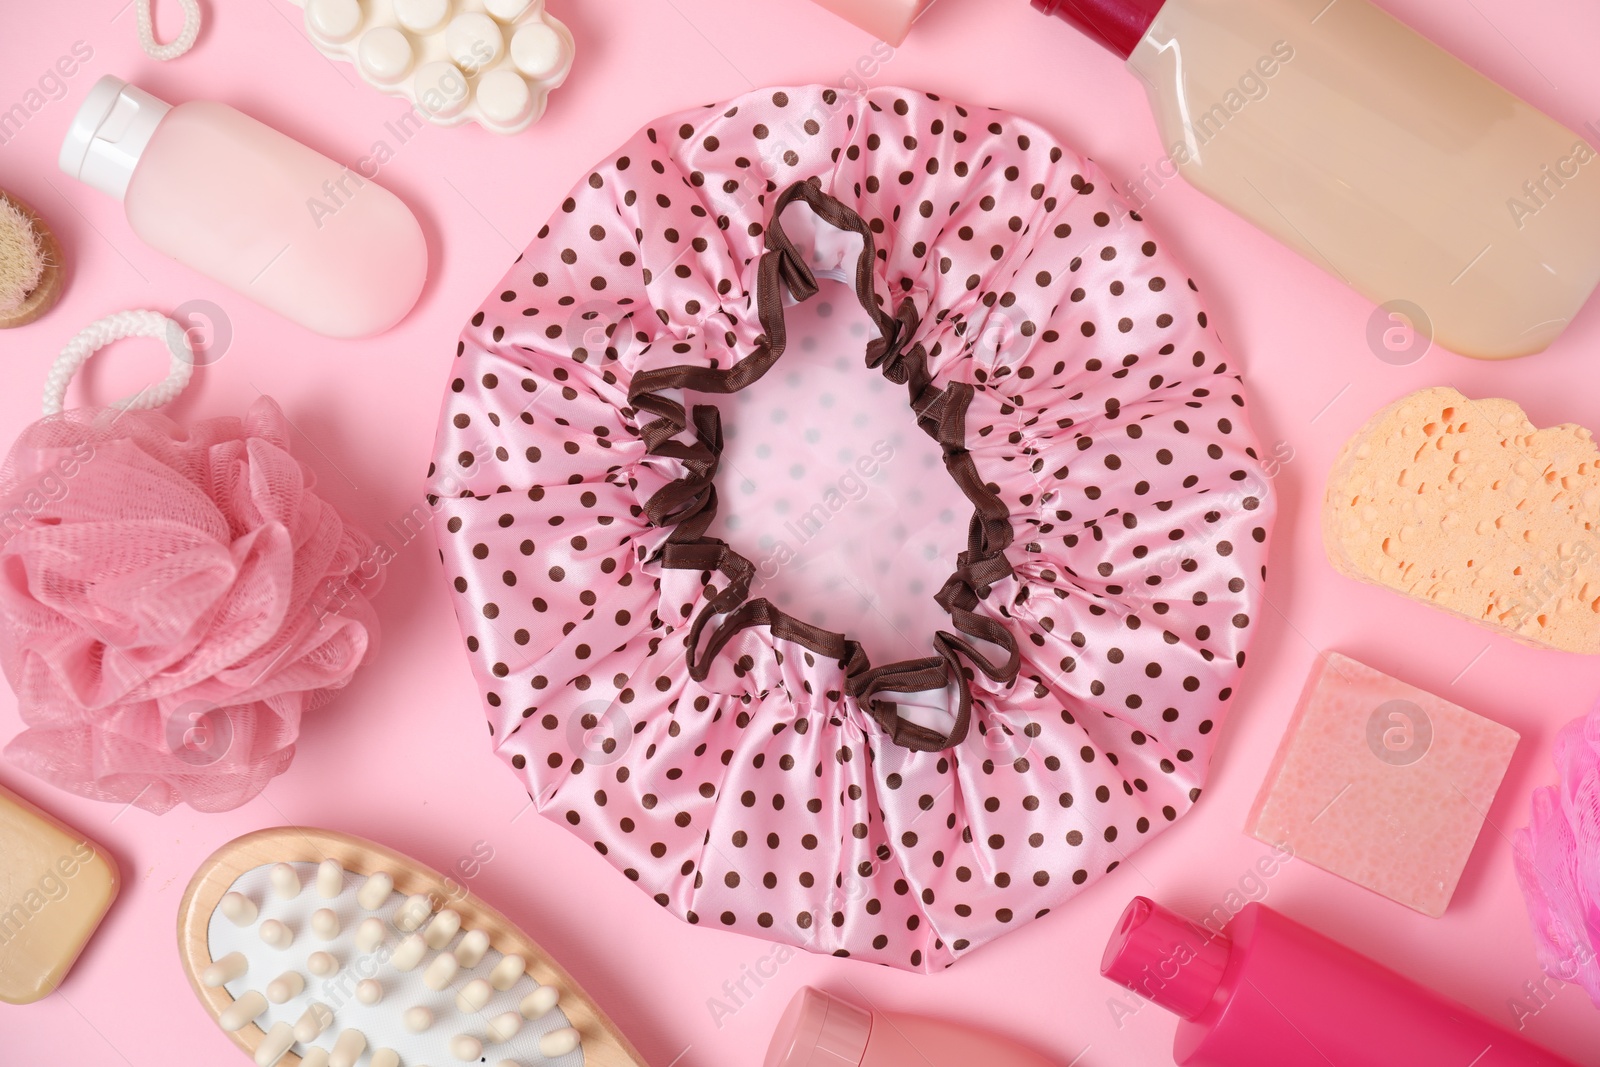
(751, 786)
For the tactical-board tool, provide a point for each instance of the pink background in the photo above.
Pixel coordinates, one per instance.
(402, 756)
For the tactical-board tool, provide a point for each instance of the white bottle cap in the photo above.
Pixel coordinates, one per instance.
(109, 133)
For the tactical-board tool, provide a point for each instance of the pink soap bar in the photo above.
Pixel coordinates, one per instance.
(1382, 783)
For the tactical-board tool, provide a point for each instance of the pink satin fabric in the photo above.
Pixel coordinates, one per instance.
(1111, 426)
(172, 601)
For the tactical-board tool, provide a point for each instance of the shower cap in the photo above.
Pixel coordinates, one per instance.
(750, 768)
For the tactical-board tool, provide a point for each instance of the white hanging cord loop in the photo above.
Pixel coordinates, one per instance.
(180, 44)
(102, 332)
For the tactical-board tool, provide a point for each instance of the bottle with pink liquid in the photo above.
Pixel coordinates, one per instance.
(298, 233)
(1268, 992)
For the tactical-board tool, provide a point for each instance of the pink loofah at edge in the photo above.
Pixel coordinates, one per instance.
(172, 602)
(1558, 859)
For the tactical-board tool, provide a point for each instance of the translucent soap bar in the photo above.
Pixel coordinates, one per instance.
(55, 887)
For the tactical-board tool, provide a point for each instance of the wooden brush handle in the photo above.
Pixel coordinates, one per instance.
(603, 1044)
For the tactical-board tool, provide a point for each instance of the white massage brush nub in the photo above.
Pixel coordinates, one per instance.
(317, 949)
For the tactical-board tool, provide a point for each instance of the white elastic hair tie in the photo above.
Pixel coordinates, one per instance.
(102, 332)
(180, 44)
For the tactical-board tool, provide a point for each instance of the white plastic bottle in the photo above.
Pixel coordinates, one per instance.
(260, 212)
(1374, 153)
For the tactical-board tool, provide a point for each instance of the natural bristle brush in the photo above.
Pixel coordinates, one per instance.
(317, 949)
(31, 275)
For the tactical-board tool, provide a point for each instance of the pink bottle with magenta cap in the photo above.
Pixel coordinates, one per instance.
(818, 1030)
(1268, 992)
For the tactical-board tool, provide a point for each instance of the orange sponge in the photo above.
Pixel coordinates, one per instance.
(1466, 505)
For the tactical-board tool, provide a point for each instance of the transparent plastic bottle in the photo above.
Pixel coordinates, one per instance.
(1374, 153)
(258, 211)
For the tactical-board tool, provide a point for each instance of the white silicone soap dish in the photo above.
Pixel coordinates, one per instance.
(492, 62)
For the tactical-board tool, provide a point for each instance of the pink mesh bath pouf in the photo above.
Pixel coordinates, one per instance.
(172, 599)
(1557, 859)
(609, 509)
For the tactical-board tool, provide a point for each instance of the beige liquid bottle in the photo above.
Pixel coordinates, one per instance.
(1373, 153)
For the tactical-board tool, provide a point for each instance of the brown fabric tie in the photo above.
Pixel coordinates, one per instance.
(689, 503)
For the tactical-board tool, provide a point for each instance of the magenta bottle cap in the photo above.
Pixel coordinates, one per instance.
(1117, 24)
(818, 1030)
(1164, 958)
